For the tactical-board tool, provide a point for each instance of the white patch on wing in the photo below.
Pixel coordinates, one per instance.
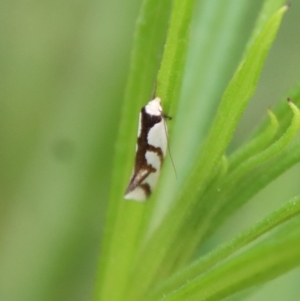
(153, 159)
(153, 107)
(137, 194)
(139, 130)
(157, 136)
(140, 125)
(151, 180)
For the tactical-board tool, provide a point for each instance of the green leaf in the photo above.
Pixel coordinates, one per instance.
(219, 33)
(229, 183)
(268, 9)
(273, 150)
(123, 217)
(233, 178)
(255, 145)
(281, 215)
(282, 111)
(168, 86)
(248, 186)
(268, 259)
(233, 103)
(170, 76)
(253, 182)
(171, 71)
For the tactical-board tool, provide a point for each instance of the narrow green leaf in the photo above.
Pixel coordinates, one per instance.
(193, 233)
(268, 9)
(235, 99)
(253, 182)
(286, 212)
(248, 186)
(123, 217)
(255, 145)
(273, 150)
(171, 71)
(170, 74)
(224, 166)
(230, 181)
(204, 214)
(268, 259)
(219, 33)
(282, 111)
(168, 87)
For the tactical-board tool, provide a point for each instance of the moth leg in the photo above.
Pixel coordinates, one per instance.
(165, 116)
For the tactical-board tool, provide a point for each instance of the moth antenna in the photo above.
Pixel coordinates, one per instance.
(169, 150)
(154, 90)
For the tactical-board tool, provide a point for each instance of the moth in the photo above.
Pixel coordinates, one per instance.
(151, 149)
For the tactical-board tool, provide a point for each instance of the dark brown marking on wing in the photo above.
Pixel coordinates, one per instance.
(141, 164)
(135, 181)
(147, 122)
(146, 188)
(158, 151)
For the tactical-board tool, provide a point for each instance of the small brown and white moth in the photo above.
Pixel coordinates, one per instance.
(151, 149)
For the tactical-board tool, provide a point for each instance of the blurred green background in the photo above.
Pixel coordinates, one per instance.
(63, 70)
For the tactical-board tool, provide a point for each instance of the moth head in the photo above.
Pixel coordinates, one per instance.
(153, 107)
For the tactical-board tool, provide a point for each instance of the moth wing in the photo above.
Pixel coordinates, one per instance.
(158, 136)
(134, 190)
(144, 179)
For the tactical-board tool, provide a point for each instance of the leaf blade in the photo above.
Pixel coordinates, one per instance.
(233, 103)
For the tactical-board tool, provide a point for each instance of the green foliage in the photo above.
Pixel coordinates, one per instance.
(68, 131)
(123, 217)
(151, 254)
(203, 264)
